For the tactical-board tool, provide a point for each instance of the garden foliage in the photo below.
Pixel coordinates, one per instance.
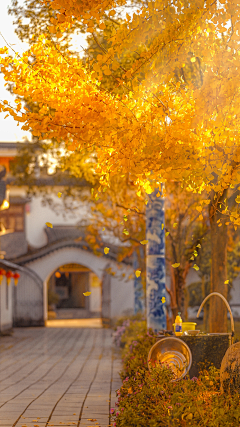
(151, 399)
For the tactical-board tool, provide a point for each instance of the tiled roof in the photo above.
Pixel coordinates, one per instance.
(66, 236)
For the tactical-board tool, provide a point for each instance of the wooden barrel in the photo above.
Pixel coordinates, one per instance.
(230, 370)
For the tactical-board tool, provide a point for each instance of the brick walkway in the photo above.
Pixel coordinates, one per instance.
(58, 377)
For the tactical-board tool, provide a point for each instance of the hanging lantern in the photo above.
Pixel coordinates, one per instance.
(57, 274)
(9, 275)
(2, 273)
(16, 277)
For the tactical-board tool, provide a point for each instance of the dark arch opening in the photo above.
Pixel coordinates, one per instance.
(66, 287)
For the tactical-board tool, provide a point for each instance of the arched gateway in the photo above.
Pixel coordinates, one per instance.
(31, 299)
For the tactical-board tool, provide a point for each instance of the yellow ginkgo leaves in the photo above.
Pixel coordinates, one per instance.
(86, 294)
(106, 250)
(226, 282)
(163, 300)
(59, 194)
(176, 264)
(167, 233)
(144, 242)
(48, 224)
(196, 267)
(138, 273)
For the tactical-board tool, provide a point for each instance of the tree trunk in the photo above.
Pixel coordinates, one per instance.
(172, 294)
(218, 310)
(186, 303)
(180, 287)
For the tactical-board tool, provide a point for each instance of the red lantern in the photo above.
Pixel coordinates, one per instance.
(9, 275)
(16, 277)
(2, 273)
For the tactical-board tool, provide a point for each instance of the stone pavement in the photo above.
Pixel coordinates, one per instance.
(58, 376)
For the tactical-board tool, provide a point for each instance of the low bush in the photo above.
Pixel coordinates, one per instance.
(151, 399)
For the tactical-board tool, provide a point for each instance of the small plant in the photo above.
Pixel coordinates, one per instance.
(150, 399)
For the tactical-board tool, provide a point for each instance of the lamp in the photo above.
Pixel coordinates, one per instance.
(16, 277)
(9, 275)
(2, 273)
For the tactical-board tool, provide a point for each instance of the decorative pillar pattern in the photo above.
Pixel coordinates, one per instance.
(138, 287)
(155, 265)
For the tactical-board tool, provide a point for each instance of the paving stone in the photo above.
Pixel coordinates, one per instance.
(51, 375)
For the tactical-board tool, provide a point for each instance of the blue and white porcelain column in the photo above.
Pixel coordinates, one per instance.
(155, 264)
(139, 306)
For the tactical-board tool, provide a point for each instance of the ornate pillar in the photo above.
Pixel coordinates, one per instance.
(139, 305)
(155, 264)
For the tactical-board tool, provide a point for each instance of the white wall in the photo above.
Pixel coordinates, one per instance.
(39, 215)
(6, 312)
(95, 297)
(122, 294)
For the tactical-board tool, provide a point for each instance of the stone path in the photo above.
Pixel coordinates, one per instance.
(58, 377)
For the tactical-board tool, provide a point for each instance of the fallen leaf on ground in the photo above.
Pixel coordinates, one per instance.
(48, 224)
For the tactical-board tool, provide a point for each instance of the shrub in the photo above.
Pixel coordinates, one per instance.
(151, 399)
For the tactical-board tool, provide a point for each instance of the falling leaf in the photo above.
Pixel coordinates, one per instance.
(48, 224)
(126, 232)
(136, 209)
(198, 246)
(192, 258)
(226, 282)
(106, 250)
(163, 300)
(138, 273)
(162, 226)
(167, 233)
(176, 264)
(195, 267)
(59, 194)
(175, 224)
(86, 294)
(144, 242)
(103, 229)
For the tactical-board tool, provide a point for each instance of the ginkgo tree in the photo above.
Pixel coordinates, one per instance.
(158, 128)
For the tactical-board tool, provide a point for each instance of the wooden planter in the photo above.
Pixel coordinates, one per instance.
(206, 350)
